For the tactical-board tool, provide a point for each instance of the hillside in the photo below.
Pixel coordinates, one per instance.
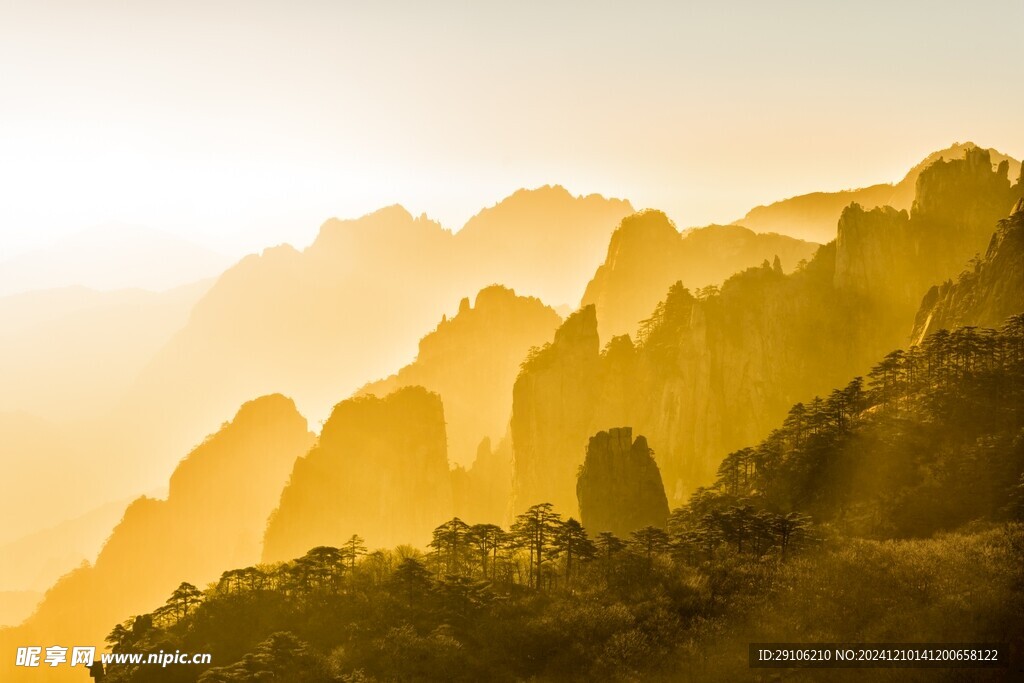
(214, 515)
(993, 289)
(711, 372)
(915, 478)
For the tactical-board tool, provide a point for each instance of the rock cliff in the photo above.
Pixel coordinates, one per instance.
(712, 372)
(471, 361)
(647, 254)
(814, 216)
(552, 402)
(619, 486)
(380, 470)
(985, 294)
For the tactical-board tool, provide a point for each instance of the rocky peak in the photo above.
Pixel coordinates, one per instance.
(619, 487)
(550, 421)
(380, 471)
(986, 293)
(647, 254)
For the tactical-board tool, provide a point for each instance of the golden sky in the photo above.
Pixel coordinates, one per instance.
(243, 124)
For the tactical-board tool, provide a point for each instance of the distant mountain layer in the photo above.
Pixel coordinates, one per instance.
(647, 254)
(814, 216)
(319, 323)
(35, 561)
(214, 515)
(111, 257)
(471, 361)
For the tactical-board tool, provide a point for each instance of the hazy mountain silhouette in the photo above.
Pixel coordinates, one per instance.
(35, 561)
(67, 357)
(214, 515)
(713, 372)
(543, 242)
(647, 254)
(319, 323)
(471, 361)
(111, 256)
(482, 491)
(380, 470)
(813, 216)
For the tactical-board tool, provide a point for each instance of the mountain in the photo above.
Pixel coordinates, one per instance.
(990, 292)
(111, 256)
(873, 513)
(471, 361)
(481, 492)
(712, 372)
(928, 442)
(813, 216)
(541, 242)
(319, 323)
(647, 254)
(67, 359)
(34, 562)
(214, 515)
(619, 487)
(380, 470)
(15, 606)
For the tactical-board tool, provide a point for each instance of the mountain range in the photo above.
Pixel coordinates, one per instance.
(813, 216)
(699, 340)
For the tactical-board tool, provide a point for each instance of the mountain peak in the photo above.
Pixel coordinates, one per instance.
(814, 216)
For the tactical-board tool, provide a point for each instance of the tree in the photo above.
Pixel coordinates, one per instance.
(412, 579)
(789, 529)
(352, 549)
(486, 540)
(608, 545)
(572, 542)
(323, 566)
(450, 544)
(535, 530)
(182, 600)
(649, 541)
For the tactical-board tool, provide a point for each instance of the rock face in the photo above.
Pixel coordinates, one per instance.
(380, 471)
(481, 493)
(986, 294)
(213, 517)
(471, 361)
(551, 413)
(713, 372)
(647, 254)
(893, 254)
(619, 486)
(813, 216)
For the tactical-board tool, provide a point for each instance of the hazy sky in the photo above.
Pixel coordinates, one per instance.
(243, 124)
